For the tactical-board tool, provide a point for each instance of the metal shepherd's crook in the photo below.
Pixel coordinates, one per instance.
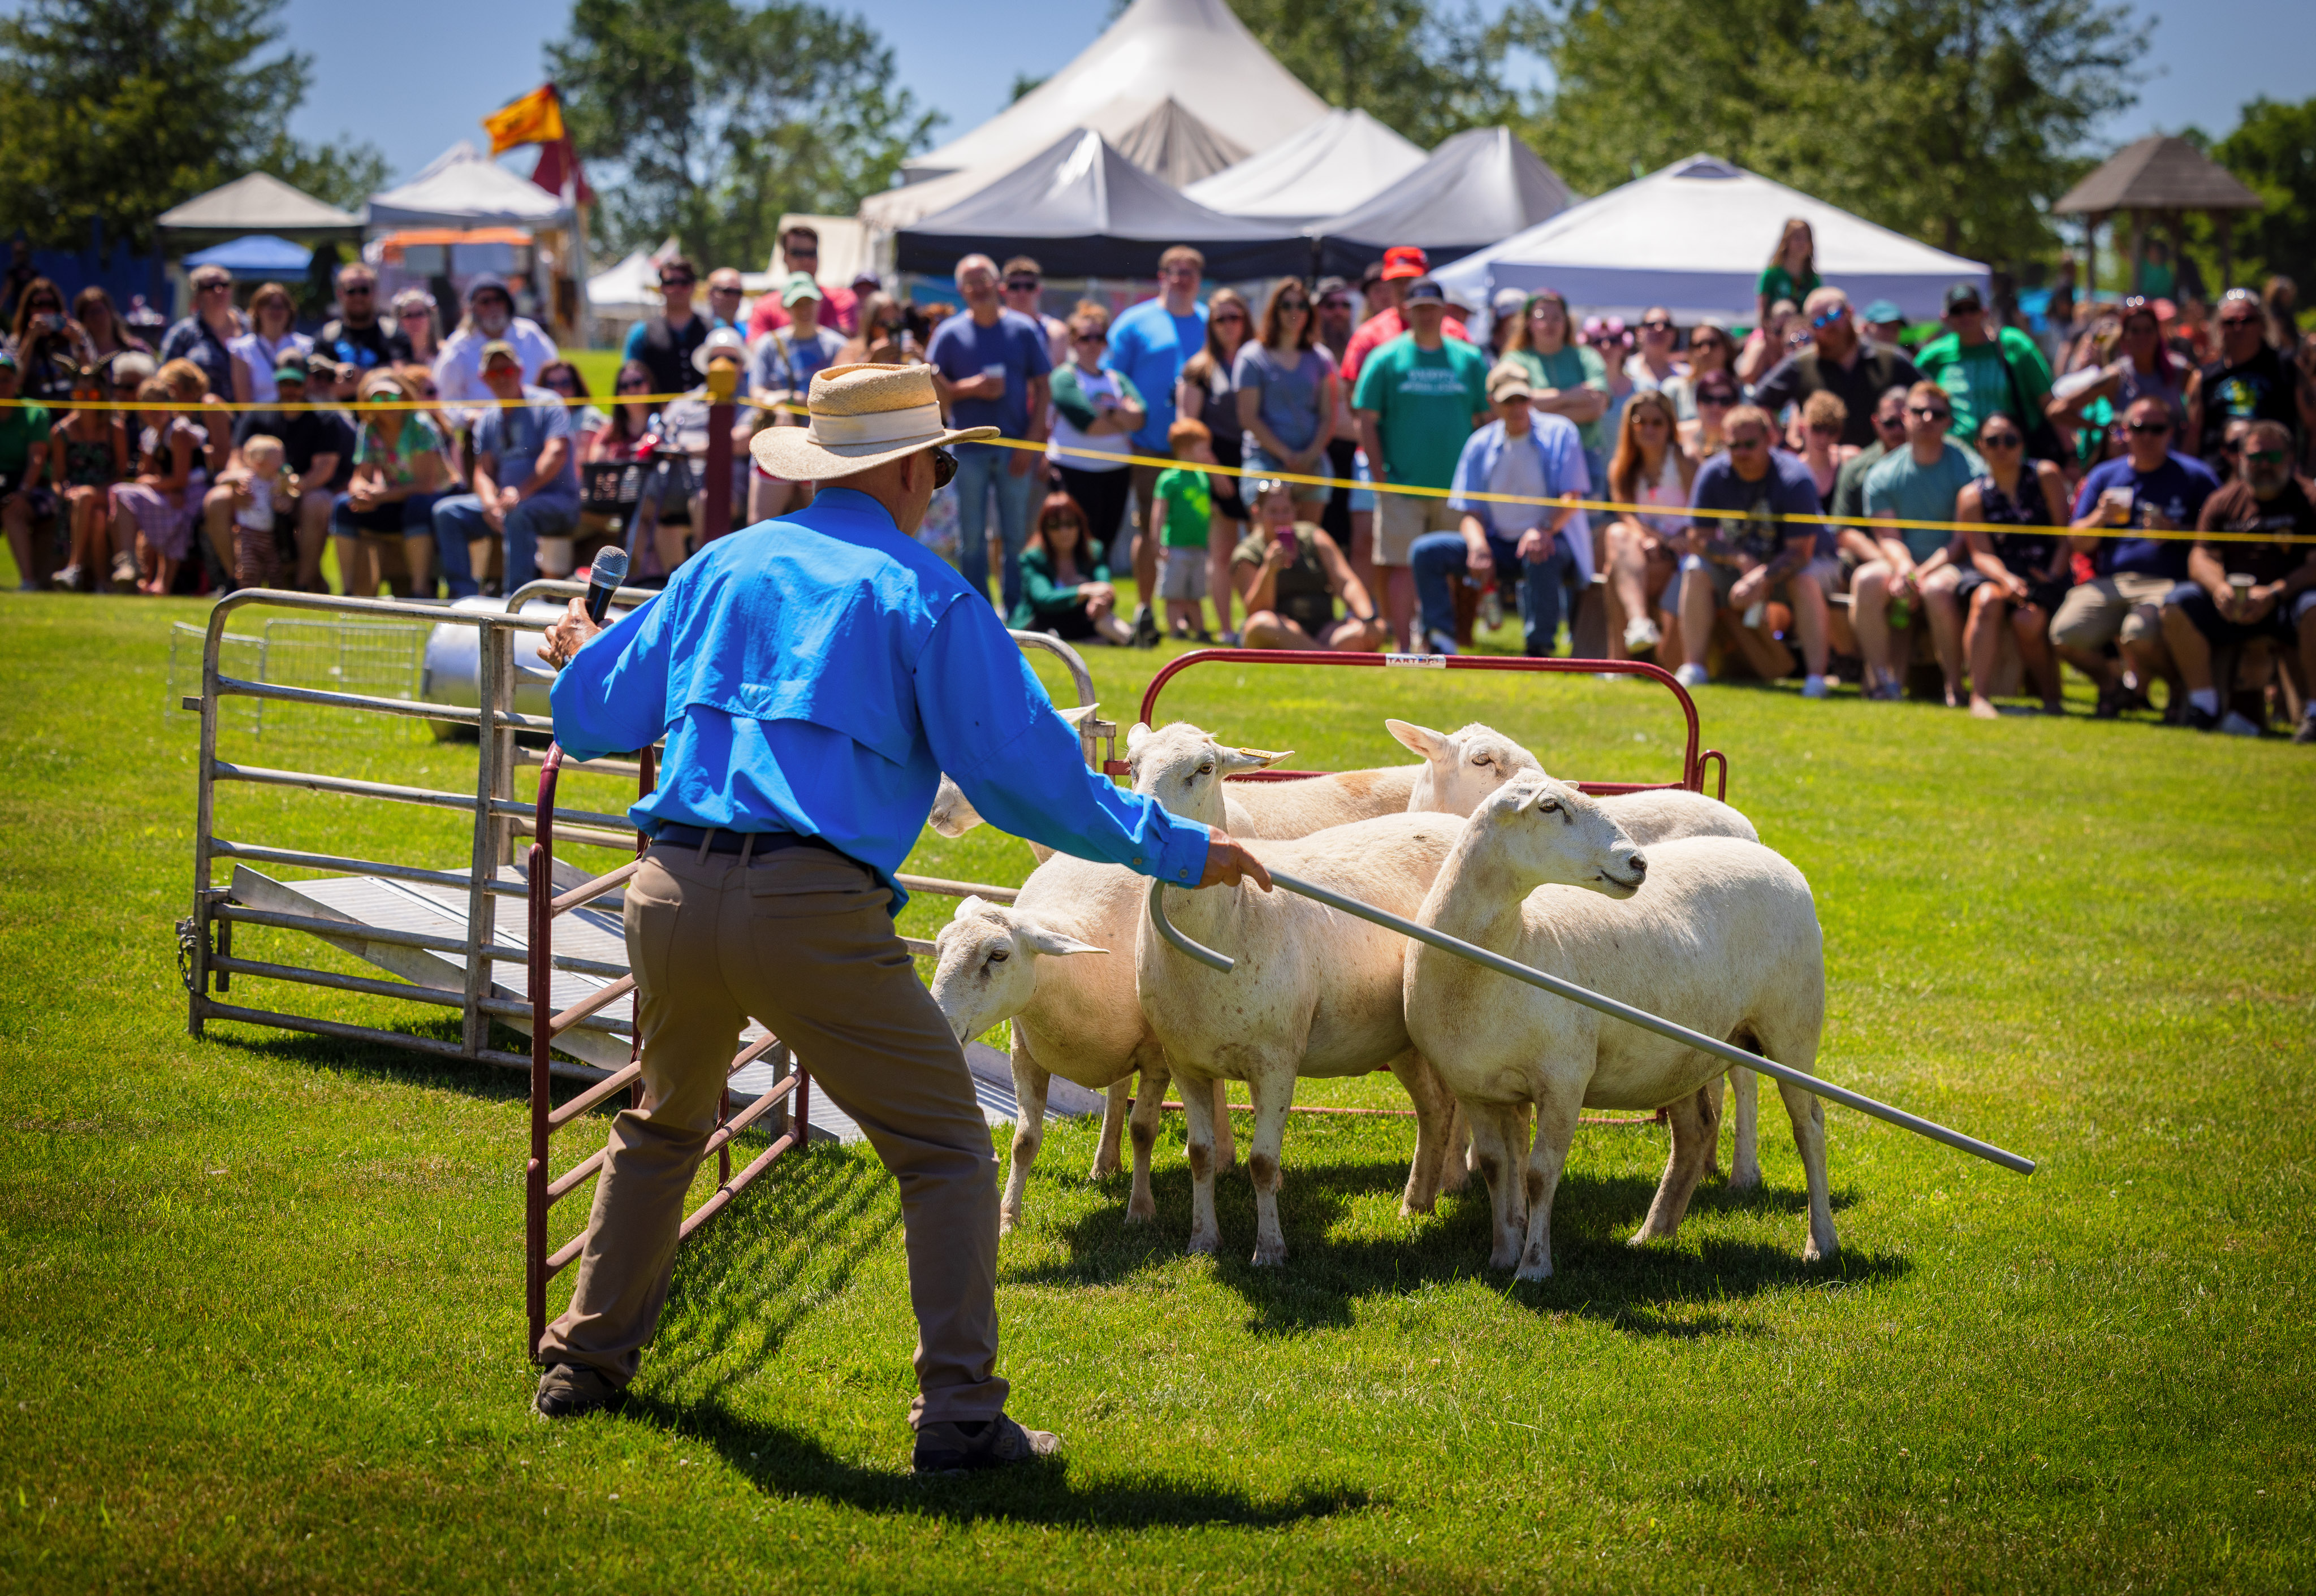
(1593, 999)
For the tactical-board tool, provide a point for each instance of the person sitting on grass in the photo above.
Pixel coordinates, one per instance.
(1522, 455)
(1917, 570)
(91, 447)
(1184, 504)
(1735, 565)
(2248, 596)
(1289, 574)
(1065, 587)
(2023, 570)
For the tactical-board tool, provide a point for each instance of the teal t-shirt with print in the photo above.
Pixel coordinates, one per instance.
(1425, 401)
(1902, 486)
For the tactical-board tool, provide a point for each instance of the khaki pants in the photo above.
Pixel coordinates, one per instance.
(802, 940)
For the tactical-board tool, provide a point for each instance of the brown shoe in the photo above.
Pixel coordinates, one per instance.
(982, 1444)
(567, 1390)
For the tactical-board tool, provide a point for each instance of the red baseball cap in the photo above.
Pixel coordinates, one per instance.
(1404, 261)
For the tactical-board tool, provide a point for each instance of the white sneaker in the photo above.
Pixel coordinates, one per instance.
(2232, 725)
(1815, 686)
(1641, 634)
(1441, 643)
(66, 580)
(1689, 675)
(1492, 608)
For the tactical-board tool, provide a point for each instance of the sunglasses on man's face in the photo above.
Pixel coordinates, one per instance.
(2149, 428)
(1023, 285)
(1656, 327)
(1928, 413)
(1749, 443)
(352, 291)
(802, 254)
(944, 469)
(1093, 338)
(724, 289)
(667, 282)
(1716, 401)
(2000, 440)
(2266, 457)
(1839, 313)
(2239, 321)
(1821, 429)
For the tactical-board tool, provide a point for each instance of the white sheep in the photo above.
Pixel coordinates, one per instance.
(1315, 993)
(1714, 933)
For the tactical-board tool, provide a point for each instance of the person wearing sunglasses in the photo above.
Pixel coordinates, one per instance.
(665, 343)
(1734, 564)
(1840, 362)
(2152, 488)
(2144, 367)
(356, 336)
(991, 369)
(1710, 349)
(203, 336)
(1917, 568)
(1096, 413)
(1024, 287)
(2242, 598)
(813, 676)
(1984, 371)
(490, 318)
(840, 306)
(2019, 562)
(1706, 433)
(2250, 378)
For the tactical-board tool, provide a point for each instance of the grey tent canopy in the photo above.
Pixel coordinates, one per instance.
(1086, 211)
(1170, 142)
(1476, 189)
(258, 202)
(1336, 165)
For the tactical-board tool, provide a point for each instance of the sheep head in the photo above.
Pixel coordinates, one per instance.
(1460, 768)
(1547, 831)
(1183, 768)
(986, 969)
(953, 814)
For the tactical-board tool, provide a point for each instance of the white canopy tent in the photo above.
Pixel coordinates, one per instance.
(1694, 238)
(257, 203)
(629, 292)
(463, 188)
(1193, 52)
(1336, 165)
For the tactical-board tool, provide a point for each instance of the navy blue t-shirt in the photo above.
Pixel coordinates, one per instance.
(2178, 487)
(962, 348)
(1789, 489)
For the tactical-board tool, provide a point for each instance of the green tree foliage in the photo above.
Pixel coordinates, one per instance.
(117, 110)
(1956, 122)
(2273, 151)
(1427, 73)
(707, 119)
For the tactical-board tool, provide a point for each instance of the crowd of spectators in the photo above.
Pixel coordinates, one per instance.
(1315, 464)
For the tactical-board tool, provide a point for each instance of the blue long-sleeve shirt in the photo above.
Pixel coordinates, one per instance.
(817, 674)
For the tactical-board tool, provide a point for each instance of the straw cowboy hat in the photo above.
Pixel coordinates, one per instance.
(860, 417)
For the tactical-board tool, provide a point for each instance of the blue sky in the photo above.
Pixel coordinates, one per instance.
(417, 76)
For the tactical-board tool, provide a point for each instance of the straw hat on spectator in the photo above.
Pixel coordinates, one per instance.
(858, 417)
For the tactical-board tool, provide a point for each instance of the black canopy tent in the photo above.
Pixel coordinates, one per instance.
(1476, 189)
(1086, 211)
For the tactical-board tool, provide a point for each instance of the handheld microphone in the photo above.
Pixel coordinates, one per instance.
(605, 576)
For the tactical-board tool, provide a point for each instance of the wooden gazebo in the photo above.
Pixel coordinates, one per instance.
(2157, 180)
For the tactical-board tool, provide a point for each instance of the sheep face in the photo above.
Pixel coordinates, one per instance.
(1183, 768)
(1546, 832)
(1460, 768)
(953, 814)
(987, 967)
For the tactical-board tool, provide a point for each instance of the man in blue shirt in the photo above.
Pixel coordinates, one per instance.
(813, 677)
(2155, 488)
(526, 477)
(1736, 563)
(1151, 342)
(991, 368)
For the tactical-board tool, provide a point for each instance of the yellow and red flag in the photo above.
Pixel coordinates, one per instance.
(535, 119)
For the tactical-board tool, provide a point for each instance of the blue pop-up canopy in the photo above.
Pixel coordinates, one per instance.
(257, 256)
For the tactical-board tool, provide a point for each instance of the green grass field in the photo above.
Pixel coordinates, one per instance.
(260, 1296)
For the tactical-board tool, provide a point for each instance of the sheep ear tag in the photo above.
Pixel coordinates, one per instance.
(1251, 759)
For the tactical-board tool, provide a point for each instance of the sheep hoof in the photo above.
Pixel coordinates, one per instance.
(1140, 1211)
(1409, 1209)
(1103, 1168)
(1269, 1255)
(1813, 1253)
(1534, 1268)
(1205, 1242)
(1746, 1179)
(1503, 1257)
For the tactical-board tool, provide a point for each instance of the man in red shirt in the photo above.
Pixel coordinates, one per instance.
(840, 308)
(1402, 264)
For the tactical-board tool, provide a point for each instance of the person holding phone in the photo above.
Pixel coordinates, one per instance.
(1290, 574)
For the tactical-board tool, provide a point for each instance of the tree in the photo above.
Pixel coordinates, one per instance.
(1952, 120)
(1428, 74)
(2273, 151)
(115, 111)
(708, 120)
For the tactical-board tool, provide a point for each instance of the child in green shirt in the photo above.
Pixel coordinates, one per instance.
(1184, 509)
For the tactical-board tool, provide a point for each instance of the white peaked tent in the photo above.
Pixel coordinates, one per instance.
(257, 203)
(1194, 52)
(463, 188)
(629, 292)
(1336, 165)
(1694, 238)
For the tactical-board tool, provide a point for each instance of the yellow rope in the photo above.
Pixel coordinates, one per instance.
(359, 409)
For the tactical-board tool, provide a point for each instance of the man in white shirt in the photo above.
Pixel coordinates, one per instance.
(490, 317)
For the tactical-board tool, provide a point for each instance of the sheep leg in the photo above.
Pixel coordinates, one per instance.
(1199, 1109)
(1496, 1137)
(1435, 1117)
(1808, 1114)
(1744, 1161)
(1030, 1083)
(1142, 1208)
(1695, 1125)
(1106, 1152)
(1225, 1146)
(1272, 1088)
(1559, 1105)
(1456, 1162)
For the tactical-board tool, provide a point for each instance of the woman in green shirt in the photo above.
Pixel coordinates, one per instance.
(1566, 378)
(1792, 271)
(1064, 586)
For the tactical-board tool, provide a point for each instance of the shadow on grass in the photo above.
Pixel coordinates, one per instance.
(1330, 1268)
(382, 1061)
(784, 1461)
